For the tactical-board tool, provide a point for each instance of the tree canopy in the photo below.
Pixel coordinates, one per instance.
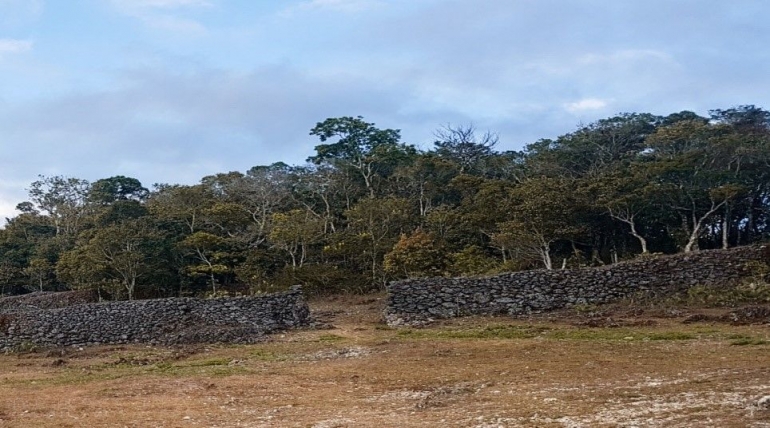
(368, 208)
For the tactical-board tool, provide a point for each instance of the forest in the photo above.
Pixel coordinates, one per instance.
(368, 208)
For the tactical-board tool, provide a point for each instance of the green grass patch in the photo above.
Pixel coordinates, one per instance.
(671, 335)
(330, 338)
(268, 356)
(598, 334)
(209, 362)
(533, 331)
(492, 332)
(749, 342)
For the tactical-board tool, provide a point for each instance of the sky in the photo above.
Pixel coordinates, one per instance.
(169, 91)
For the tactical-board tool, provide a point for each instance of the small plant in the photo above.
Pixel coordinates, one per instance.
(750, 292)
(210, 362)
(584, 309)
(671, 335)
(330, 338)
(749, 342)
(25, 347)
(5, 322)
(760, 271)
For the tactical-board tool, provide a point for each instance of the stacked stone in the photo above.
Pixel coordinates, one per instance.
(158, 321)
(46, 300)
(417, 300)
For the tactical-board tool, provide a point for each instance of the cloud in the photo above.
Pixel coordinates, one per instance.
(14, 46)
(625, 55)
(159, 4)
(11, 193)
(586, 104)
(16, 12)
(163, 126)
(343, 6)
(164, 15)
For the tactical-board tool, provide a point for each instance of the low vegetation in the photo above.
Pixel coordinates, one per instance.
(625, 364)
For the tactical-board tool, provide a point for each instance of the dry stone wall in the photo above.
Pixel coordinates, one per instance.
(159, 321)
(46, 300)
(418, 300)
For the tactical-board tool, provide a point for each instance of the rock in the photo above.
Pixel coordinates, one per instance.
(541, 290)
(763, 403)
(158, 321)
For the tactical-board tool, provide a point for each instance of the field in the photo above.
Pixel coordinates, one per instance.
(615, 367)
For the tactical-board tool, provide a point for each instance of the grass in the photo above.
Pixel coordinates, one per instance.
(491, 332)
(569, 333)
(750, 342)
(330, 338)
(475, 372)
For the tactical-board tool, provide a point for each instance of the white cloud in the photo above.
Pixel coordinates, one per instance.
(14, 46)
(586, 104)
(174, 24)
(159, 14)
(344, 6)
(7, 210)
(19, 10)
(159, 4)
(626, 55)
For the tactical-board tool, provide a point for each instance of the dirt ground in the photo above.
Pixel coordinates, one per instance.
(616, 367)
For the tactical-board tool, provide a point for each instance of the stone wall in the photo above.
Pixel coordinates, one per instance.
(159, 321)
(417, 300)
(46, 300)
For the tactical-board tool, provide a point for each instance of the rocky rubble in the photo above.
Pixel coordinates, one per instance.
(416, 301)
(158, 321)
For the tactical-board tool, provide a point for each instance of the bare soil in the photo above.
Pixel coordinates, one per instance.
(593, 367)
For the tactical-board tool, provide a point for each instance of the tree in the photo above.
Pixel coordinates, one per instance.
(128, 250)
(542, 212)
(460, 145)
(377, 223)
(416, 255)
(63, 199)
(39, 270)
(683, 171)
(118, 188)
(211, 252)
(184, 205)
(80, 271)
(621, 194)
(293, 232)
(425, 181)
(261, 192)
(360, 146)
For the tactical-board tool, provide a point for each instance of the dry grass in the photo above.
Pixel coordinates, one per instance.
(640, 371)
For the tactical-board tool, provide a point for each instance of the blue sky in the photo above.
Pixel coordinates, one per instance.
(173, 90)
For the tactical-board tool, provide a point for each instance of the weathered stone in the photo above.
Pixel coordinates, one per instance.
(160, 321)
(415, 300)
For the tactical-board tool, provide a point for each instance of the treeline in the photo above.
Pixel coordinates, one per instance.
(368, 208)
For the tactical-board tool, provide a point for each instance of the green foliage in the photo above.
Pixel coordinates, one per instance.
(369, 208)
(747, 293)
(416, 255)
(471, 261)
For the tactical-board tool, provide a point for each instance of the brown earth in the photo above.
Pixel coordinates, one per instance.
(593, 367)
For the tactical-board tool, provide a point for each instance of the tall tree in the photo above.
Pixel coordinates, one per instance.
(63, 199)
(360, 146)
(128, 250)
(462, 146)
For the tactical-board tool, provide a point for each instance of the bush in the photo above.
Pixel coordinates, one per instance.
(749, 292)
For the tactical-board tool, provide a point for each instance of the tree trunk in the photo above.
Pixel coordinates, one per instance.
(692, 243)
(726, 228)
(130, 286)
(545, 252)
(697, 225)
